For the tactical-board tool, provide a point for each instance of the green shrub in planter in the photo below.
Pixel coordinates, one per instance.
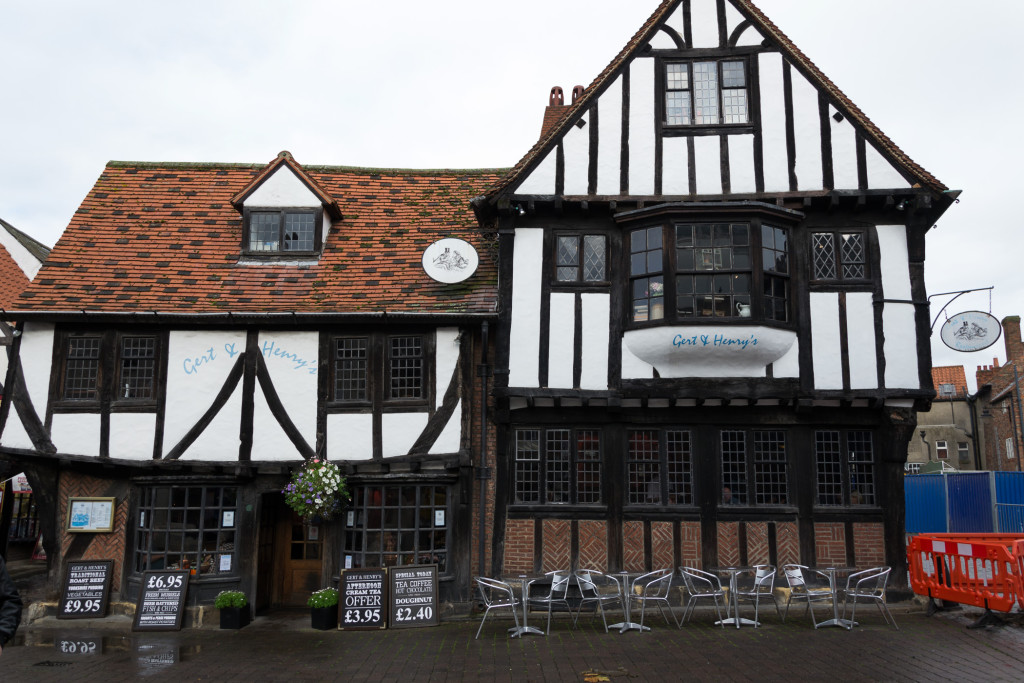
(234, 609)
(325, 597)
(233, 599)
(323, 609)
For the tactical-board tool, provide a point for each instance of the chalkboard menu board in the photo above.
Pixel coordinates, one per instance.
(86, 590)
(161, 604)
(413, 596)
(362, 599)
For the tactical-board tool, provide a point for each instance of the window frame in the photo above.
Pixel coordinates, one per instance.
(754, 469)
(670, 271)
(543, 471)
(941, 449)
(844, 465)
(579, 280)
(280, 253)
(668, 485)
(110, 369)
(838, 262)
(379, 372)
(662, 88)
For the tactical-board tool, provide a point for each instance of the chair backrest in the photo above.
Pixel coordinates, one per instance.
(654, 584)
(795, 576)
(492, 590)
(699, 581)
(559, 583)
(764, 578)
(592, 582)
(869, 581)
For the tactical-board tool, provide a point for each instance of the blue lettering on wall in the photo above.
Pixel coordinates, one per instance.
(272, 350)
(718, 340)
(194, 364)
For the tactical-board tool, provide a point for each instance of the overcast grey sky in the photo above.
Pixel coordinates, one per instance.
(463, 84)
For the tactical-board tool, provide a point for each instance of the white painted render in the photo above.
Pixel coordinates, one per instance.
(844, 152)
(269, 441)
(450, 439)
(36, 361)
(825, 341)
(282, 189)
(789, 364)
(895, 262)
(576, 146)
(675, 20)
(596, 318)
(79, 434)
(741, 163)
(707, 158)
(882, 174)
(446, 361)
(350, 436)
(561, 339)
(641, 127)
(400, 431)
(750, 36)
(219, 442)
(675, 173)
(807, 127)
(22, 257)
(662, 41)
(609, 139)
(900, 347)
(860, 338)
(704, 23)
(773, 123)
(709, 350)
(15, 435)
(524, 333)
(633, 367)
(291, 359)
(542, 179)
(131, 435)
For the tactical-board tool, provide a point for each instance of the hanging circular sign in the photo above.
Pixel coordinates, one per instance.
(450, 260)
(970, 331)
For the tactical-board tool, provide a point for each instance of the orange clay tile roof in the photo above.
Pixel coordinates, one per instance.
(12, 278)
(760, 21)
(950, 374)
(164, 238)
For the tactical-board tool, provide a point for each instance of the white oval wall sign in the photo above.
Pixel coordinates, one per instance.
(970, 331)
(450, 260)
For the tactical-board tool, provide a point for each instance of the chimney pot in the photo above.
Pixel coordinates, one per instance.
(557, 97)
(577, 92)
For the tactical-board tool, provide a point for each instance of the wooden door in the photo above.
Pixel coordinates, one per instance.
(299, 549)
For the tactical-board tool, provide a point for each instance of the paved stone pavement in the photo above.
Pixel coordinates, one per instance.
(284, 648)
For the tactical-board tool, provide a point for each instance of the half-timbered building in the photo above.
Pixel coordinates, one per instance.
(714, 329)
(201, 330)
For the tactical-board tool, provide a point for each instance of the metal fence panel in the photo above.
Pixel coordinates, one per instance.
(1010, 502)
(925, 499)
(970, 502)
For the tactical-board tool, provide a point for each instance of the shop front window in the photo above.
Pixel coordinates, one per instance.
(393, 526)
(186, 527)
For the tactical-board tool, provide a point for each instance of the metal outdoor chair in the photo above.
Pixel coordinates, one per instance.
(598, 588)
(762, 588)
(702, 584)
(805, 584)
(557, 593)
(653, 587)
(496, 595)
(868, 584)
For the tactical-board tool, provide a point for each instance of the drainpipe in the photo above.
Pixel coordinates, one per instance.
(972, 407)
(1020, 413)
(483, 473)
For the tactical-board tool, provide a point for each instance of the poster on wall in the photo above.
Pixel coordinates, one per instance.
(91, 515)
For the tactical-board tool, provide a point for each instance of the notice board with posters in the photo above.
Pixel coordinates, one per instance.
(161, 604)
(363, 599)
(86, 591)
(413, 596)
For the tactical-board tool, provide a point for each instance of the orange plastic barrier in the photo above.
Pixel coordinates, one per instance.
(984, 570)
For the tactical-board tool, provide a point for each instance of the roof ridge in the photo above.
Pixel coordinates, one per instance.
(318, 168)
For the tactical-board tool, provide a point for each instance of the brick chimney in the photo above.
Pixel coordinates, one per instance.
(1011, 338)
(554, 111)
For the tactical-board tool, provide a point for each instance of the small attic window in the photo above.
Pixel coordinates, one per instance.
(282, 231)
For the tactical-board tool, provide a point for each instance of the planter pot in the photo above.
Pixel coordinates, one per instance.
(324, 618)
(234, 617)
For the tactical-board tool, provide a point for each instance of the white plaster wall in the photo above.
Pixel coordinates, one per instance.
(576, 146)
(561, 341)
(844, 153)
(807, 126)
(662, 41)
(789, 364)
(198, 363)
(524, 335)
(633, 367)
(881, 173)
(282, 189)
(825, 340)
(741, 163)
(15, 435)
(350, 436)
(131, 435)
(860, 331)
(609, 139)
(450, 439)
(704, 23)
(675, 20)
(542, 179)
(895, 261)
(291, 359)
(675, 167)
(750, 35)
(400, 431)
(446, 361)
(641, 127)
(36, 362)
(707, 158)
(773, 123)
(900, 347)
(24, 259)
(596, 318)
(77, 433)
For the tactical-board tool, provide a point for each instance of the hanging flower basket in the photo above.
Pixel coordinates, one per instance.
(317, 489)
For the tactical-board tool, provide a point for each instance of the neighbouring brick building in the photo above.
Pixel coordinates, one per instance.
(999, 402)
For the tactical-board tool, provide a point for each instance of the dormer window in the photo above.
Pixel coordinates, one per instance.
(282, 231)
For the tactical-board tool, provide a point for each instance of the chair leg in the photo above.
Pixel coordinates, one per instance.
(853, 613)
(486, 612)
(889, 618)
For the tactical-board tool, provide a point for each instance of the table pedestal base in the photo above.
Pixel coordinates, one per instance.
(624, 626)
(843, 623)
(738, 621)
(519, 632)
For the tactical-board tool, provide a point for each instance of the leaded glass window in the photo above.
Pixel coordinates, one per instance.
(581, 258)
(845, 463)
(706, 93)
(839, 255)
(646, 280)
(713, 262)
(659, 467)
(187, 527)
(558, 466)
(138, 368)
(406, 367)
(393, 526)
(274, 232)
(81, 370)
(350, 369)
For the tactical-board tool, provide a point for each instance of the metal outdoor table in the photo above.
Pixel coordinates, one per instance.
(521, 630)
(835, 620)
(736, 618)
(626, 586)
